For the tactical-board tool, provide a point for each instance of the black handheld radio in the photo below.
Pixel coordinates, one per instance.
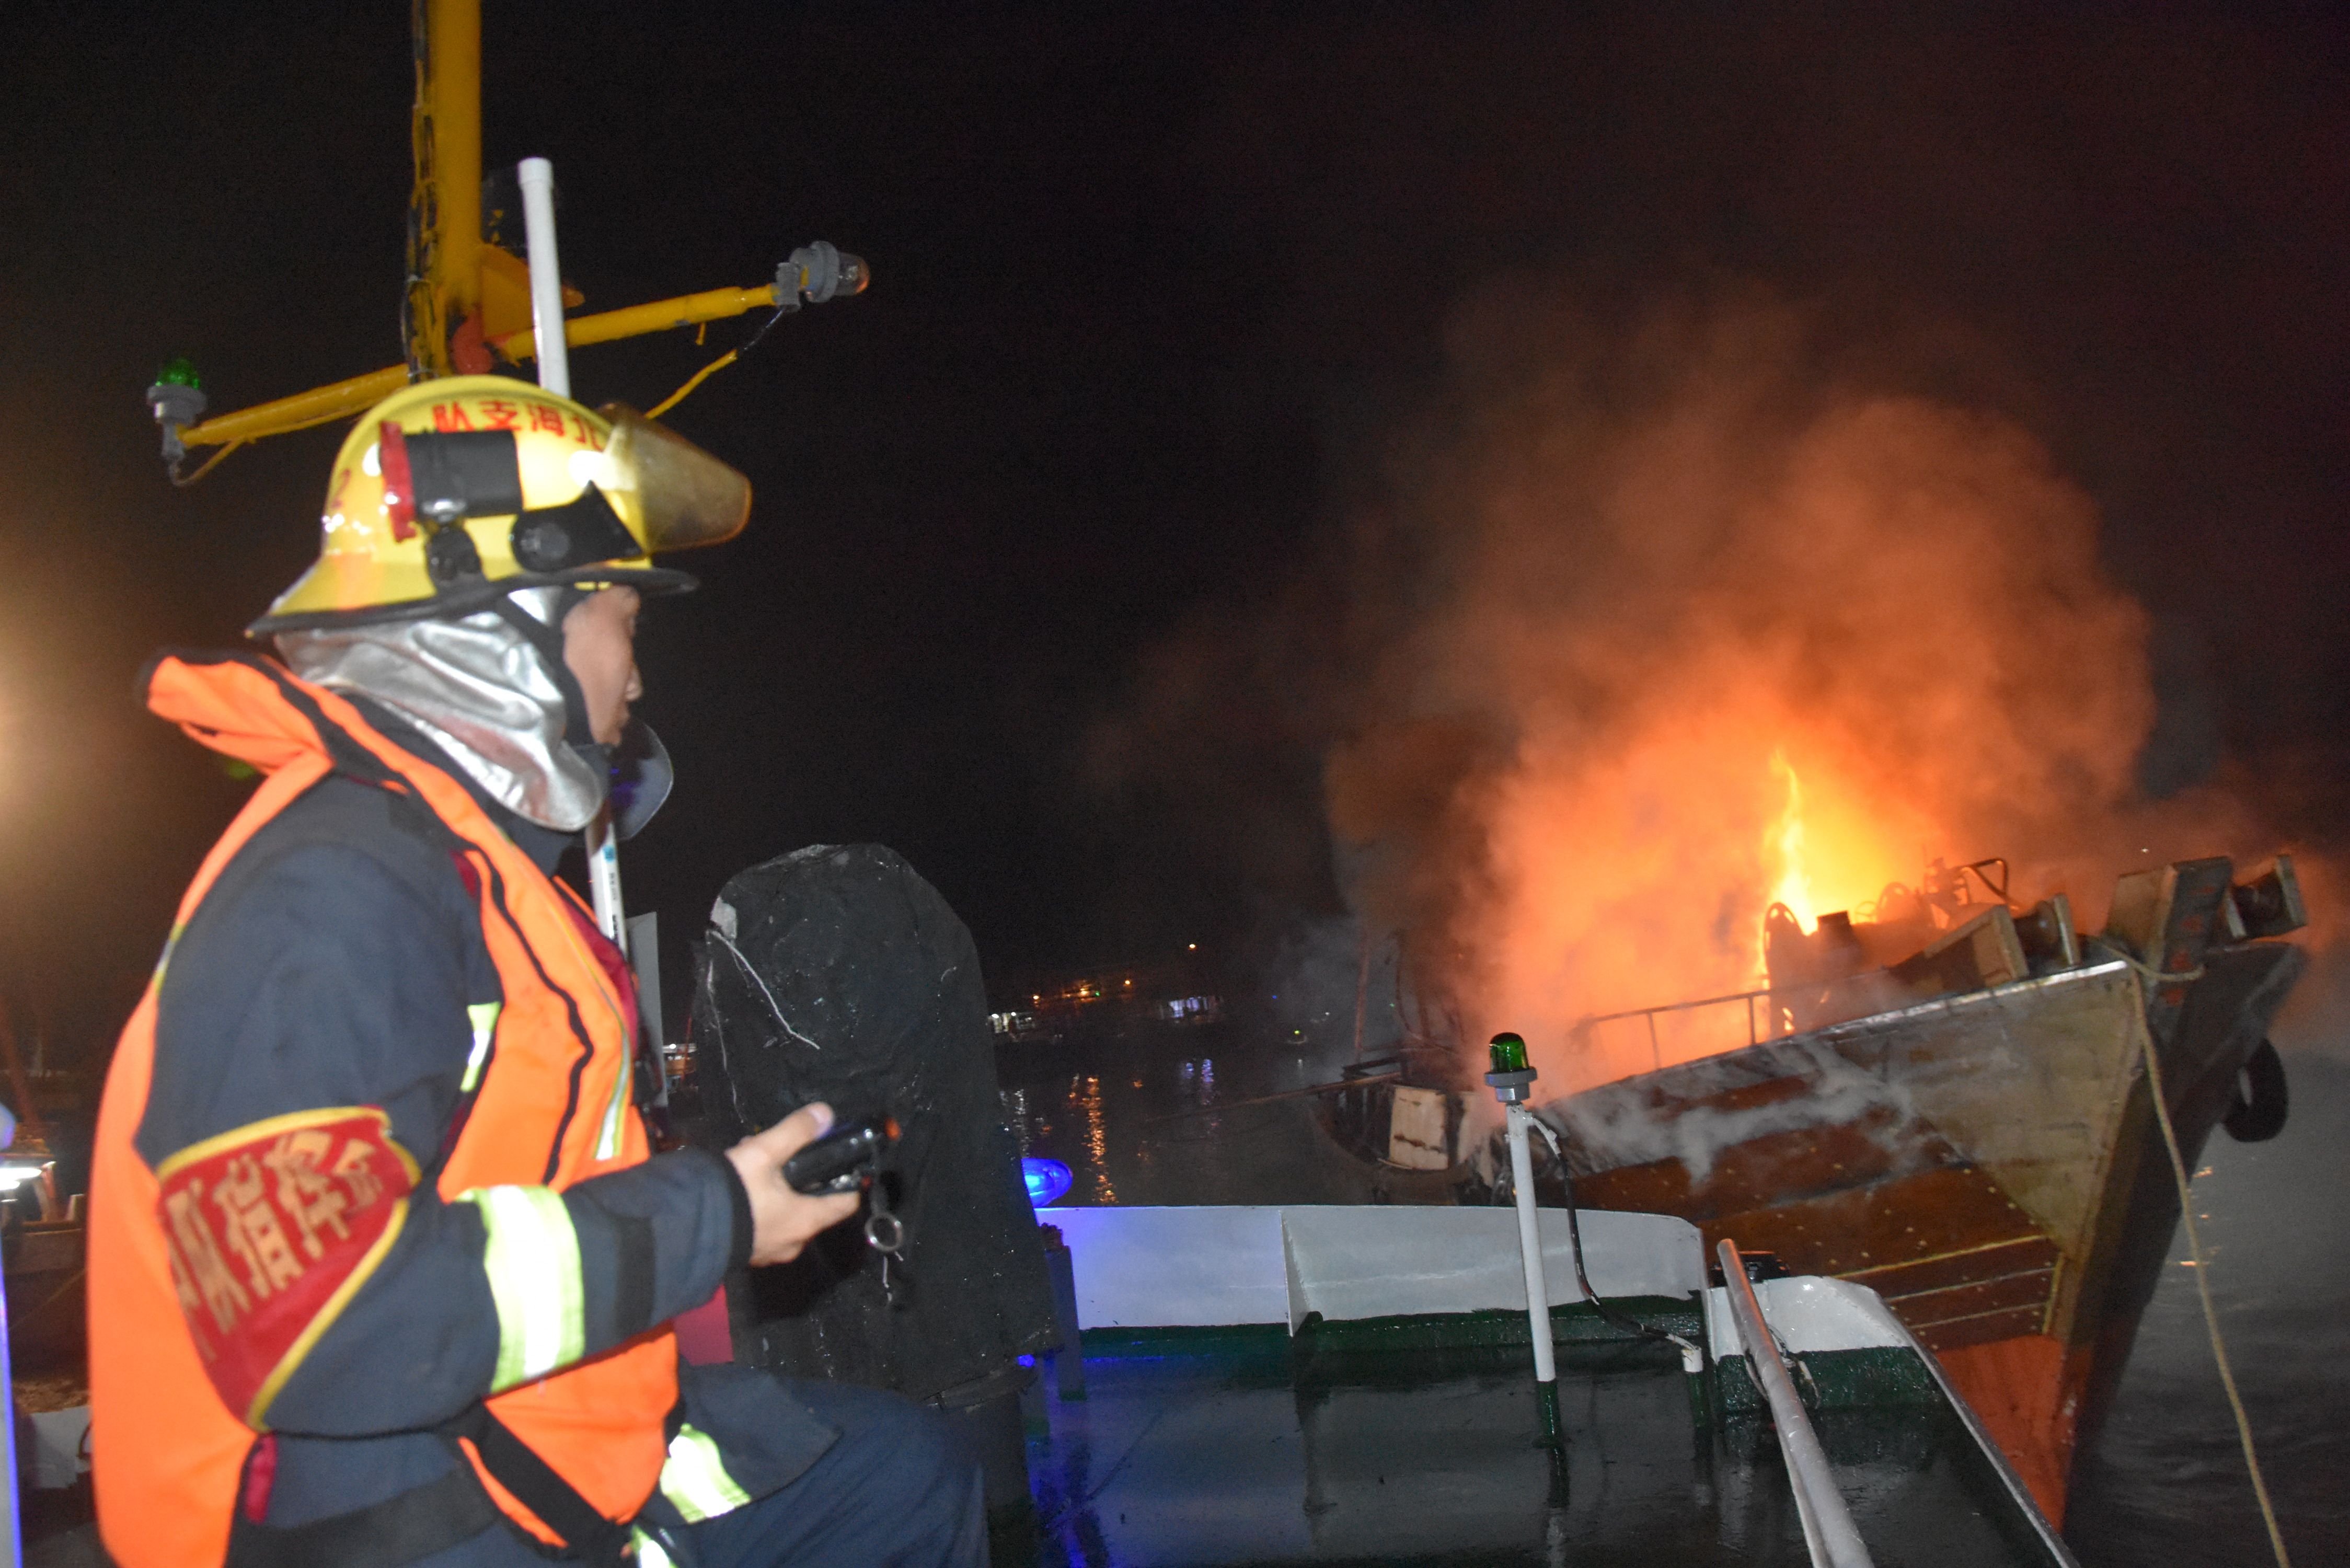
(849, 1159)
(842, 1160)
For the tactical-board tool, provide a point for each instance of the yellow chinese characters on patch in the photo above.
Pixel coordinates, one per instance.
(272, 1229)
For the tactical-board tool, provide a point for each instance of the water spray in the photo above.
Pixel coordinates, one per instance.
(1510, 1080)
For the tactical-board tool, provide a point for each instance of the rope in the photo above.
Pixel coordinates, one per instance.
(782, 308)
(2202, 1275)
(1574, 1238)
(666, 404)
(2147, 972)
(772, 1006)
(209, 463)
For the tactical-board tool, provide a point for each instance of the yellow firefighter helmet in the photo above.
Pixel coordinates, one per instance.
(453, 492)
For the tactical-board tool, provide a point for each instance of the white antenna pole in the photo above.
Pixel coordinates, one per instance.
(1512, 1080)
(553, 352)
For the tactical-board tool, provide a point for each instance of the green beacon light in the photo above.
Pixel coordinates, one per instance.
(177, 402)
(1511, 1079)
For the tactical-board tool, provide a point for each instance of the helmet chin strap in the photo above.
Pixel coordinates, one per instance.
(578, 732)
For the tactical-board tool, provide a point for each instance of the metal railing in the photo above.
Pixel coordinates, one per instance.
(1793, 1009)
(1828, 1531)
(1755, 1034)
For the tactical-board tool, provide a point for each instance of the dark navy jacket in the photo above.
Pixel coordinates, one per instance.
(332, 964)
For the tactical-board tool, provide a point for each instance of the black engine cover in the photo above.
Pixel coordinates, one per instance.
(837, 974)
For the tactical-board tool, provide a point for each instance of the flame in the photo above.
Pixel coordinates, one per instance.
(1641, 878)
(1794, 888)
(1836, 855)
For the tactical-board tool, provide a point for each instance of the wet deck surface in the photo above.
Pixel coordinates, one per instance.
(1224, 1456)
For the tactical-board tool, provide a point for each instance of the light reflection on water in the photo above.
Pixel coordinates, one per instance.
(1097, 1141)
(1140, 1120)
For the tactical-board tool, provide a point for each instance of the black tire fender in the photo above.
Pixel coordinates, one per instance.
(2257, 1111)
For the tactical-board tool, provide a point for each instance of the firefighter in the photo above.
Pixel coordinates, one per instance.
(381, 1265)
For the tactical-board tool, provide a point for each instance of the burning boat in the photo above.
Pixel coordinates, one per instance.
(1957, 1111)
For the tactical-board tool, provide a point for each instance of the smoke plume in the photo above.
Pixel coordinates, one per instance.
(1662, 622)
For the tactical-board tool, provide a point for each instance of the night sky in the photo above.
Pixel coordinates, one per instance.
(1154, 294)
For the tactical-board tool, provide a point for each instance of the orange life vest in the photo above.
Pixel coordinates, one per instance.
(168, 1452)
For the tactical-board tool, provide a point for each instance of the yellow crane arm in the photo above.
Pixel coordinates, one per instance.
(342, 400)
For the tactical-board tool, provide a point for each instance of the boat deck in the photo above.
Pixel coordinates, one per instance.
(1412, 1441)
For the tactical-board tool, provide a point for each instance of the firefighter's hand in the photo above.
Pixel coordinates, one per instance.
(783, 1220)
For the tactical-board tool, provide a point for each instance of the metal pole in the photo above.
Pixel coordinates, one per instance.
(1530, 1252)
(604, 879)
(444, 260)
(12, 1548)
(1362, 991)
(1828, 1531)
(538, 178)
(1510, 1080)
(456, 111)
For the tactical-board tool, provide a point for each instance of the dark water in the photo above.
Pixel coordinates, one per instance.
(2167, 1484)
(1178, 1455)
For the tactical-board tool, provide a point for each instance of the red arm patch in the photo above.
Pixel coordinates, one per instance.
(272, 1229)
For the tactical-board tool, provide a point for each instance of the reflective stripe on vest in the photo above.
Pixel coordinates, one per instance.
(533, 1262)
(484, 1016)
(695, 1480)
(607, 1139)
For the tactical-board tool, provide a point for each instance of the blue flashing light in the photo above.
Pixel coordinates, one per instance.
(1047, 1180)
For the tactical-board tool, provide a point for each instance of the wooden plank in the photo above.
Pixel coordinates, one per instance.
(1770, 1170)
(1950, 1304)
(1416, 1131)
(1928, 1215)
(1984, 951)
(2027, 1084)
(1991, 1260)
(1981, 1328)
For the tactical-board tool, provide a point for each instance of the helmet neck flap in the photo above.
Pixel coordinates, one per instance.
(491, 689)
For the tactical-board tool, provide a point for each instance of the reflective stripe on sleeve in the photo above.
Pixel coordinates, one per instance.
(163, 960)
(649, 1553)
(533, 1263)
(695, 1480)
(485, 1017)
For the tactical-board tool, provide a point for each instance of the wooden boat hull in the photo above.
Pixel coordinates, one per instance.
(1988, 1162)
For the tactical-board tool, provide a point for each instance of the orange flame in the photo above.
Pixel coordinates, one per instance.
(1834, 855)
(1794, 888)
